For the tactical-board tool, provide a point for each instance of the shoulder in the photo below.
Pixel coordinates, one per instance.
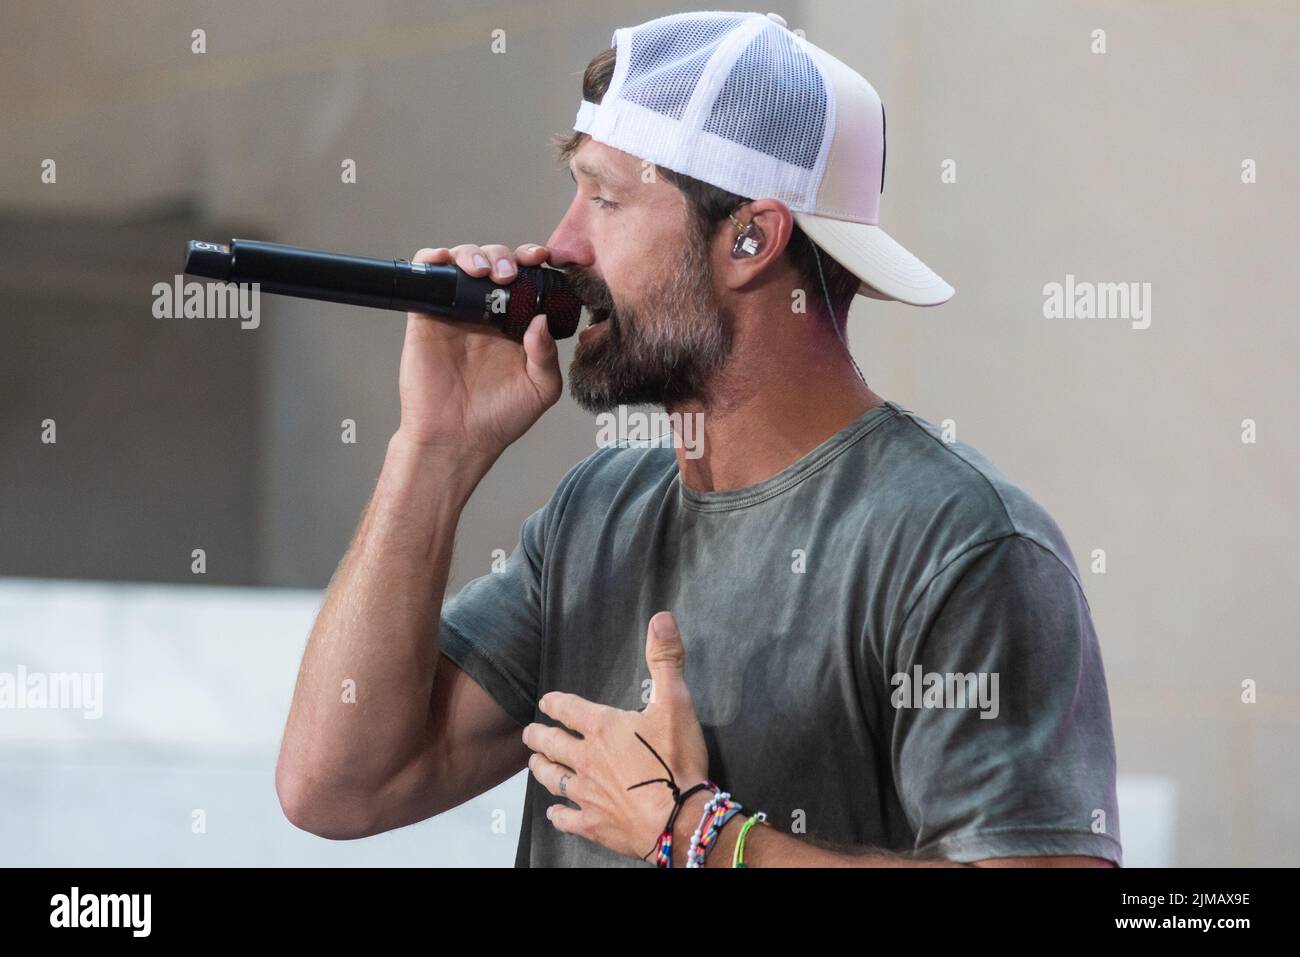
(949, 495)
(613, 478)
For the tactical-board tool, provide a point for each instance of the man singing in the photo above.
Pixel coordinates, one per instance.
(827, 637)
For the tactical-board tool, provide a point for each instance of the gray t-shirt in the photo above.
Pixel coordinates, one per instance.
(887, 643)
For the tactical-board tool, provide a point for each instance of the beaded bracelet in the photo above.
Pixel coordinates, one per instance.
(663, 849)
(703, 831)
(719, 811)
(721, 816)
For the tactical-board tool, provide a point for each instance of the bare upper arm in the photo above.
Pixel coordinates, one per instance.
(471, 746)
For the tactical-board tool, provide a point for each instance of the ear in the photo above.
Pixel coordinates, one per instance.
(776, 221)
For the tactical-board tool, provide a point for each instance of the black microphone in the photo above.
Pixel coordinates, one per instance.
(439, 290)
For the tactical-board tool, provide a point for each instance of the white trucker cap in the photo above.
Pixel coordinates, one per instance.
(738, 101)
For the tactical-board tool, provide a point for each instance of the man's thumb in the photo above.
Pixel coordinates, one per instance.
(542, 358)
(665, 655)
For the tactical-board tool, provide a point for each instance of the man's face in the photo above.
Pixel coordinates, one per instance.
(632, 252)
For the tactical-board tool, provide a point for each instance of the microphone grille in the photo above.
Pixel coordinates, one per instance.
(542, 289)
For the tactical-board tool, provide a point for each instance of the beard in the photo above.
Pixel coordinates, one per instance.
(664, 349)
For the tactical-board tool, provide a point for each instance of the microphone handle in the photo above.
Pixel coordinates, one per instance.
(441, 290)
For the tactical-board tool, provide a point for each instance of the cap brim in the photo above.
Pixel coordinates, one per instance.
(887, 270)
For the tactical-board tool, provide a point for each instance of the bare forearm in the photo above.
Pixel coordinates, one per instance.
(361, 705)
(769, 847)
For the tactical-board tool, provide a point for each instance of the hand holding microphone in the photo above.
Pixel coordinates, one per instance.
(467, 389)
(460, 294)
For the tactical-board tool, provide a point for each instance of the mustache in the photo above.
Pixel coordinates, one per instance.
(591, 290)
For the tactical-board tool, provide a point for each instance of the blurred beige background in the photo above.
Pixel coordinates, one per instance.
(1115, 167)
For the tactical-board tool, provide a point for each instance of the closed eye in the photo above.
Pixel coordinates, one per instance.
(603, 203)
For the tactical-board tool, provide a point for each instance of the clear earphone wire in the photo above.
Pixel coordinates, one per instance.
(826, 297)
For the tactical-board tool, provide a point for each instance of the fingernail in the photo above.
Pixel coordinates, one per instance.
(665, 626)
(505, 267)
(480, 261)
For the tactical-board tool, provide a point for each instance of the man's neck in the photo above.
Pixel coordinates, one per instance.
(748, 435)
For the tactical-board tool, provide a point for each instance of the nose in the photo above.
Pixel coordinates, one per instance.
(568, 243)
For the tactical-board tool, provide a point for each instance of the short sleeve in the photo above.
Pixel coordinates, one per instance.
(493, 628)
(1002, 743)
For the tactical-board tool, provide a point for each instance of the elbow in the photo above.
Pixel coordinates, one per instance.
(308, 808)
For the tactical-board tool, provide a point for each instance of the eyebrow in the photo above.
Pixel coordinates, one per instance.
(598, 173)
